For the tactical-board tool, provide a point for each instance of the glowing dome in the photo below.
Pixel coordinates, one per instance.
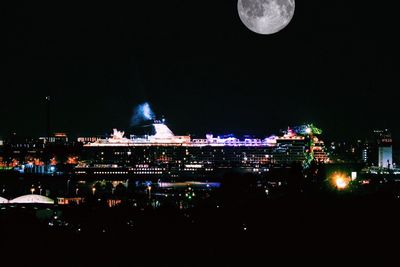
(28, 199)
(3, 200)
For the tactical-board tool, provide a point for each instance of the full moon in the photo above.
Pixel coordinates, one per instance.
(266, 16)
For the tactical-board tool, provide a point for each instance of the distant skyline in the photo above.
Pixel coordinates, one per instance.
(199, 66)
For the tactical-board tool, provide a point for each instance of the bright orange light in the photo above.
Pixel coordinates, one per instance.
(72, 160)
(341, 182)
(53, 161)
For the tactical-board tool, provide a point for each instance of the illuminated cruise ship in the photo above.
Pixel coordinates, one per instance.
(164, 154)
(164, 137)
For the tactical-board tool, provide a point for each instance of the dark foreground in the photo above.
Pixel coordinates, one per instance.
(281, 229)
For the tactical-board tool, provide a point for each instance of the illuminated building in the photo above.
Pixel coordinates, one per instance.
(70, 200)
(378, 151)
(320, 154)
(385, 150)
(39, 155)
(364, 153)
(87, 140)
(32, 199)
(19, 149)
(58, 138)
(165, 154)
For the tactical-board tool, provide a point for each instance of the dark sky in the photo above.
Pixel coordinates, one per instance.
(199, 66)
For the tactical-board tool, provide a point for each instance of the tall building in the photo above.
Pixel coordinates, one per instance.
(385, 148)
(364, 153)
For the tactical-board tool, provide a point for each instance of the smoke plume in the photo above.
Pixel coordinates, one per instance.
(142, 113)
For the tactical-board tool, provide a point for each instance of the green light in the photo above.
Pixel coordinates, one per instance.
(315, 130)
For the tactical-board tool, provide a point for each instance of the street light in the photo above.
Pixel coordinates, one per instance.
(32, 190)
(341, 182)
(149, 188)
(94, 190)
(68, 186)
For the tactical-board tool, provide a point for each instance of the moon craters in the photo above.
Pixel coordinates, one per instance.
(266, 16)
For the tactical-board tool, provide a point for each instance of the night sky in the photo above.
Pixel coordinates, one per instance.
(199, 66)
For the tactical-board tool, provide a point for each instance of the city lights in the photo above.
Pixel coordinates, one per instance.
(185, 133)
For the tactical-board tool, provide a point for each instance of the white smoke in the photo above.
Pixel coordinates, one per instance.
(141, 113)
